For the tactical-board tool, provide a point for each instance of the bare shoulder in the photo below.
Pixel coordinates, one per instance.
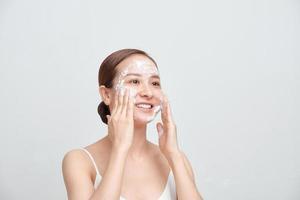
(74, 160)
(74, 157)
(78, 159)
(77, 174)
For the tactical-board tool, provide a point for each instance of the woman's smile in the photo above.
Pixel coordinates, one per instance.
(146, 107)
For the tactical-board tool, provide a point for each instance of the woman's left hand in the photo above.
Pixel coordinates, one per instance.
(167, 131)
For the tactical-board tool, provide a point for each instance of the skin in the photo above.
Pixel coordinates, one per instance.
(125, 158)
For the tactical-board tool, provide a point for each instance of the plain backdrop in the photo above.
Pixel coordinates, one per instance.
(231, 70)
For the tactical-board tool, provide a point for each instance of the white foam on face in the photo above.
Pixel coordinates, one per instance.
(146, 70)
(156, 111)
(145, 67)
(121, 87)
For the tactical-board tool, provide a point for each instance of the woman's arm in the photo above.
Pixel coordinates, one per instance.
(186, 187)
(120, 131)
(110, 185)
(182, 170)
(78, 181)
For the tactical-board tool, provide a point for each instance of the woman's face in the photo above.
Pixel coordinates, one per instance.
(140, 75)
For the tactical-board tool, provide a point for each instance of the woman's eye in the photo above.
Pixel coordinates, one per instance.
(156, 83)
(134, 81)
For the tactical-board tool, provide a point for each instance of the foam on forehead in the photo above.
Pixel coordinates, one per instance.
(144, 67)
(139, 66)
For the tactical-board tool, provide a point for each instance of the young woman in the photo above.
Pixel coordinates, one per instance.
(124, 164)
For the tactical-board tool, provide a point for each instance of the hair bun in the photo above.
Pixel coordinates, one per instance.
(103, 110)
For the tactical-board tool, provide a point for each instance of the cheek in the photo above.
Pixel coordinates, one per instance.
(132, 91)
(158, 94)
(121, 86)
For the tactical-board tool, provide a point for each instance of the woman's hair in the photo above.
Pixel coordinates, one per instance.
(108, 71)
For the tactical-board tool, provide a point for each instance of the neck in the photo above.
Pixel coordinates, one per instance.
(140, 145)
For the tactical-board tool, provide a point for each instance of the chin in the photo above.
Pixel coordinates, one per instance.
(143, 119)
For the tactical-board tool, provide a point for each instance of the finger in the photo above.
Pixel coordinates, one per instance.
(160, 130)
(166, 111)
(115, 102)
(120, 101)
(163, 110)
(125, 101)
(130, 106)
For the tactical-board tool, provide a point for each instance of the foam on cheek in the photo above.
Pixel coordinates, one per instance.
(132, 93)
(120, 84)
(121, 87)
(156, 111)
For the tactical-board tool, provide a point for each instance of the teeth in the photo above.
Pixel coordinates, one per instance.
(143, 105)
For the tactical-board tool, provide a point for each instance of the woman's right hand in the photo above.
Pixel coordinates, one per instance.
(120, 122)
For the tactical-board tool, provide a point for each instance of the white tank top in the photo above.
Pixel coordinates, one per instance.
(169, 192)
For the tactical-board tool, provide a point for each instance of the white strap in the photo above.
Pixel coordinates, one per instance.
(88, 153)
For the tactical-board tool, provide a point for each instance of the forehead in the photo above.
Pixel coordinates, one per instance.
(137, 64)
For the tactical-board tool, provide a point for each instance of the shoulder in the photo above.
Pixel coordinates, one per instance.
(77, 174)
(78, 161)
(73, 155)
(73, 160)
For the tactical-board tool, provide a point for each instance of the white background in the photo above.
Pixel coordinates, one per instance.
(230, 68)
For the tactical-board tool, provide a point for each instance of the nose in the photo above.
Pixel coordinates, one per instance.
(146, 91)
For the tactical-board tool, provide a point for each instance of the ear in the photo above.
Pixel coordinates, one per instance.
(105, 94)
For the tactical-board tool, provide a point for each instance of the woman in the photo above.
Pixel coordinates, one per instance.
(124, 164)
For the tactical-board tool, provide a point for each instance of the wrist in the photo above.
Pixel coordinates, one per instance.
(118, 149)
(174, 156)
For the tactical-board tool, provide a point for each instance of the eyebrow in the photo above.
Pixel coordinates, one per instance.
(135, 74)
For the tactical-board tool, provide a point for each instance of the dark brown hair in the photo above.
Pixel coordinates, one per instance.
(108, 71)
